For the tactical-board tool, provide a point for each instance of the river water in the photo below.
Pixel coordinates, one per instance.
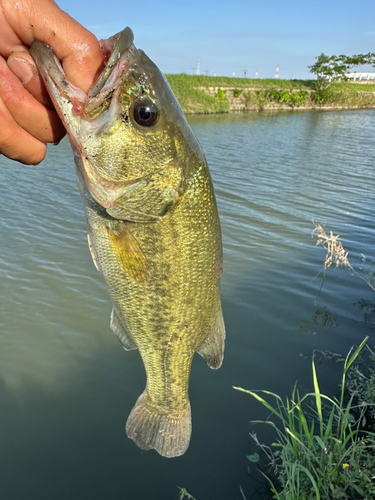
(67, 386)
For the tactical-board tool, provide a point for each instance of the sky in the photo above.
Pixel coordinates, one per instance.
(235, 35)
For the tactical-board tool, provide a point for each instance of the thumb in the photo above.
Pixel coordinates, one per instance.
(43, 20)
(23, 66)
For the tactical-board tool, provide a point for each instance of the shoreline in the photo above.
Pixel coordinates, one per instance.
(279, 108)
(240, 103)
(210, 95)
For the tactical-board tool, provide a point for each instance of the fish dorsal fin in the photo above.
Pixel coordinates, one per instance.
(121, 332)
(128, 253)
(212, 348)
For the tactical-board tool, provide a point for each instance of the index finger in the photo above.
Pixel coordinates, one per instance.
(25, 21)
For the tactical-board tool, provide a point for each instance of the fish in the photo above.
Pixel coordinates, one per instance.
(153, 227)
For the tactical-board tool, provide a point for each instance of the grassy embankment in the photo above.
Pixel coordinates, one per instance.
(210, 94)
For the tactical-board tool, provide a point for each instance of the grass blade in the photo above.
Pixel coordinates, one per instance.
(318, 399)
(312, 480)
(261, 400)
(355, 355)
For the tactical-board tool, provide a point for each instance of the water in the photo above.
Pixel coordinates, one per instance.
(67, 386)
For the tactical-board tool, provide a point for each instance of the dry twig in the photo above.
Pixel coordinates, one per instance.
(335, 251)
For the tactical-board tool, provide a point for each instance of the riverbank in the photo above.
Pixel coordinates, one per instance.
(207, 94)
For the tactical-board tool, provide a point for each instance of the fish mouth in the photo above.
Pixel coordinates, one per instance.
(71, 103)
(116, 46)
(78, 111)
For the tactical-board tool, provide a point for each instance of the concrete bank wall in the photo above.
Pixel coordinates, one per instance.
(254, 99)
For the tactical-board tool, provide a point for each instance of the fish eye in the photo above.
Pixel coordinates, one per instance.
(145, 114)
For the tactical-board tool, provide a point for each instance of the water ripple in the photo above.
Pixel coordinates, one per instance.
(273, 174)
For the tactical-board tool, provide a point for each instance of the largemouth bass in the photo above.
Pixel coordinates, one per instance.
(153, 227)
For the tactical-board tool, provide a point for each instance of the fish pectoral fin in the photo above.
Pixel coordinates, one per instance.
(121, 332)
(128, 253)
(212, 348)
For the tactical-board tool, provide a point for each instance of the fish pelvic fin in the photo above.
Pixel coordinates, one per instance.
(121, 332)
(212, 348)
(93, 252)
(169, 435)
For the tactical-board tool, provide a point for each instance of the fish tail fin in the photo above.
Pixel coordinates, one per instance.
(169, 435)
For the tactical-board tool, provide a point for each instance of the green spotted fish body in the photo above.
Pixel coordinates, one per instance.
(153, 228)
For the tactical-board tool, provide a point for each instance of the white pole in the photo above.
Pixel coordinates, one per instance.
(198, 72)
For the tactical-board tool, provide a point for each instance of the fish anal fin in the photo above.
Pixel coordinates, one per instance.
(121, 332)
(128, 253)
(212, 348)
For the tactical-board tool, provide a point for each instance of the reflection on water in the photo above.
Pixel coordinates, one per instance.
(368, 309)
(321, 318)
(67, 386)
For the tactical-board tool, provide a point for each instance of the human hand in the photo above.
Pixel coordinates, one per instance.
(27, 118)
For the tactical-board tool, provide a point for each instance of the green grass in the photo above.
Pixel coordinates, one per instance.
(320, 452)
(346, 95)
(361, 383)
(326, 457)
(227, 82)
(366, 87)
(263, 93)
(193, 100)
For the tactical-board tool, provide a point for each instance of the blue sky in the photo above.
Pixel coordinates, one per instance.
(235, 35)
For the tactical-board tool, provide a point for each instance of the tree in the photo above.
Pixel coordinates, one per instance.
(330, 68)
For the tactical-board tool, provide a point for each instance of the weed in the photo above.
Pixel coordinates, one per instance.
(337, 255)
(184, 493)
(361, 383)
(293, 98)
(262, 98)
(335, 251)
(237, 92)
(323, 96)
(221, 94)
(320, 458)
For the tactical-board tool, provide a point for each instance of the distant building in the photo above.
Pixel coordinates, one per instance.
(361, 77)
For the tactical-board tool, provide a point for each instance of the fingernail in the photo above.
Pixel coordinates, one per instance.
(22, 68)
